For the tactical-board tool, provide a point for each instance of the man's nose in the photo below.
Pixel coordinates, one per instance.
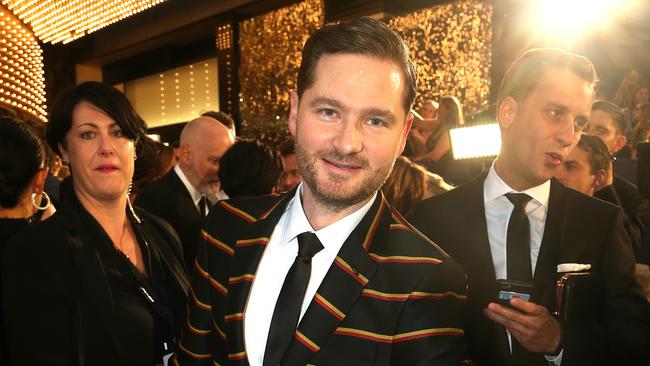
(349, 139)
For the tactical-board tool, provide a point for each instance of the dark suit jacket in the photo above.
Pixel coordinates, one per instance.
(59, 305)
(169, 199)
(391, 297)
(624, 194)
(578, 229)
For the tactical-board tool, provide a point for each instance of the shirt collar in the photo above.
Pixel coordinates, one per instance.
(196, 195)
(332, 236)
(494, 187)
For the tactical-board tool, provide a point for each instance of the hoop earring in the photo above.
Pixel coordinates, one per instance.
(44, 207)
(128, 203)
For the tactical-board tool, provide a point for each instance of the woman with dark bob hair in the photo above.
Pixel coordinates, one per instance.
(98, 283)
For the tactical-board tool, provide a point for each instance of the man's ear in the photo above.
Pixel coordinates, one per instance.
(407, 130)
(184, 154)
(293, 113)
(600, 180)
(506, 112)
(621, 140)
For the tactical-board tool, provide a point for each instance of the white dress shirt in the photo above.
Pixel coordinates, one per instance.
(497, 214)
(276, 261)
(194, 193)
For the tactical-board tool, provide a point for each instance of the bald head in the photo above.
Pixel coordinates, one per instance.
(203, 142)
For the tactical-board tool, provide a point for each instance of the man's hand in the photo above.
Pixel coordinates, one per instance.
(533, 327)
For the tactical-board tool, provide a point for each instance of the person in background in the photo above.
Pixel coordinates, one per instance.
(225, 119)
(183, 196)
(290, 175)
(22, 180)
(249, 168)
(607, 123)
(585, 168)
(641, 130)
(437, 157)
(424, 125)
(517, 223)
(408, 184)
(155, 161)
(99, 283)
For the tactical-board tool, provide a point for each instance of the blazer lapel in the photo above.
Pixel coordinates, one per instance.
(477, 258)
(549, 251)
(246, 258)
(346, 278)
(91, 271)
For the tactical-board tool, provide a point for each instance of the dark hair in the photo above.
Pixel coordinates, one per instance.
(286, 148)
(527, 71)
(249, 168)
(455, 109)
(613, 111)
(597, 153)
(103, 96)
(153, 162)
(222, 117)
(21, 157)
(361, 36)
(405, 186)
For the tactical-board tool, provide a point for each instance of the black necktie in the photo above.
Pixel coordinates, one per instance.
(518, 257)
(292, 294)
(518, 240)
(203, 206)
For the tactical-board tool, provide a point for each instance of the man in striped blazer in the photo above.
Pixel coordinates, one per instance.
(372, 289)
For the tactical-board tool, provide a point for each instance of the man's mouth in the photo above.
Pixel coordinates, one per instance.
(340, 165)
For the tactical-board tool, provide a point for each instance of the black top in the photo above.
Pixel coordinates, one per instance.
(71, 298)
(8, 228)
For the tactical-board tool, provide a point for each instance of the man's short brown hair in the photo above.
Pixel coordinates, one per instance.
(527, 71)
(597, 153)
(361, 36)
(614, 112)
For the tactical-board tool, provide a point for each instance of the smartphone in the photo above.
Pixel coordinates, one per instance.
(509, 289)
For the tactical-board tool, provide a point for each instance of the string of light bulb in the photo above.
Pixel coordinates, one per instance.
(64, 21)
(22, 81)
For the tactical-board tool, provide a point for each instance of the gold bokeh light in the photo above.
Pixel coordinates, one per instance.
(64, 21)
(22, 84)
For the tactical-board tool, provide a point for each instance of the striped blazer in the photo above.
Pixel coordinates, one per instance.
(391, 297)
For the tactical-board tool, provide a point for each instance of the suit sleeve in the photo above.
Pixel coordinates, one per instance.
(203, 339)
(623, 332)
(33, 289)
(430, 328)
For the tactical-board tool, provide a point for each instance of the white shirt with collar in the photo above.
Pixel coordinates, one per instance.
(497, 215)
(194, 193)
(276, 261)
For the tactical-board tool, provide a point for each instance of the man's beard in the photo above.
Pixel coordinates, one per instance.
(331, 190)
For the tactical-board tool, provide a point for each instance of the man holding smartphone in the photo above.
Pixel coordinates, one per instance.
(517, 224)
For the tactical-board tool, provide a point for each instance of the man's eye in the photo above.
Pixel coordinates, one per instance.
(555, 113)
(327, 112)
(375, 122)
